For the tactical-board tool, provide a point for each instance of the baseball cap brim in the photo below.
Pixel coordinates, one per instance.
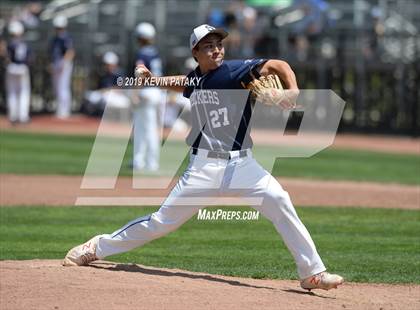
(219, 31)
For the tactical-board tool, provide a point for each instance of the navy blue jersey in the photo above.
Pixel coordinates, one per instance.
(18, 51)
(149, 56)
(109, 79)
(59, 45)
(221, 109)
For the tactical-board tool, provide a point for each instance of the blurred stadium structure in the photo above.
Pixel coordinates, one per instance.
(368, 52)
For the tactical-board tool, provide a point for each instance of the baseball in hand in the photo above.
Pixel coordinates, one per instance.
(141, 71)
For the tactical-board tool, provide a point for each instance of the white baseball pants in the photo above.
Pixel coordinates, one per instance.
(207, 177)
(18, 87)
(146, 147)
(62, 87)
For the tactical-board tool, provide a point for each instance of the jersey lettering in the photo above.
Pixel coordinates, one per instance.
(204, 97)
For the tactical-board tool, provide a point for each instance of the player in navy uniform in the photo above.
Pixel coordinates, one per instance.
(112, 71)
(146, 112)
(106, 94)
(62, 54)
(18, 85)
(221, 162)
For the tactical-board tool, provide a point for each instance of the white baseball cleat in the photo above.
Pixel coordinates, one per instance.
(82, 254)
(323, 280)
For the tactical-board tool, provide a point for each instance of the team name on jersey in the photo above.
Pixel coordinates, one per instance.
(204, 97)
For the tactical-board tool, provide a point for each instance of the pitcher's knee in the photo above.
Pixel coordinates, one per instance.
(279, 199)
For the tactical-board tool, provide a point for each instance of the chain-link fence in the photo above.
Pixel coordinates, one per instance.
(366, 51)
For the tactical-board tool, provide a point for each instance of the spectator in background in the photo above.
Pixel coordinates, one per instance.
(62, 55)
(314, 20)
(306, 31)
(374, 34)
(18, 86)
(216, 17)
(30, 14)
(249, 30)
(240, 22)
(233, 41)
(27, 12)
(147, 107)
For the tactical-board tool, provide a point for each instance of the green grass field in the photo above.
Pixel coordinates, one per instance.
(27, 153)
(365, 245)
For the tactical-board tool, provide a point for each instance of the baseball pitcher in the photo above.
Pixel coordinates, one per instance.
(221, 161)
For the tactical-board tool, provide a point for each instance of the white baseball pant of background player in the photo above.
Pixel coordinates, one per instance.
(208, 177)
(62, 87)
(18, 87)
(146, 134)
(61, 72)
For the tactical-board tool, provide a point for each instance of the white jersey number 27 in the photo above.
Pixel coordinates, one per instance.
(219, 117)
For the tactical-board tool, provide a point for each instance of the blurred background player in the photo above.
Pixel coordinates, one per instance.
(112, 70)
(147, 107)
(62, 54)
(105, 94)
(18, 86)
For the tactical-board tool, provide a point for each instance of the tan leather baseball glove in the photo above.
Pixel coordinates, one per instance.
(269, 90)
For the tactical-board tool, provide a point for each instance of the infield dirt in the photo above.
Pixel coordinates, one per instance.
(45, 284)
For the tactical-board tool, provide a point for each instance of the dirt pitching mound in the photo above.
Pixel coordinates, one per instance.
(45, 284)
